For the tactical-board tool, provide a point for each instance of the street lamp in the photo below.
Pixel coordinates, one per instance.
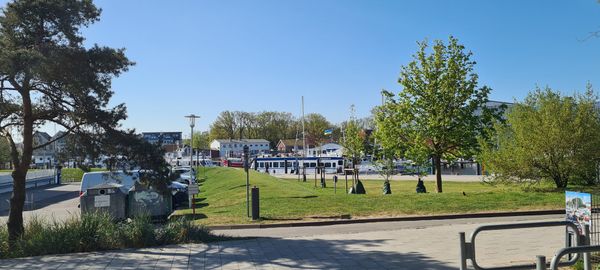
(192, 118)
(246, 165)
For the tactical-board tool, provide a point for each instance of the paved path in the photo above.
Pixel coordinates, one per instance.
(395, 245)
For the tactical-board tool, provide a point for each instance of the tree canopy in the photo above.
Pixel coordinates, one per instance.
(441, 110)
(47, 75)
(547, 136)
(269, 125)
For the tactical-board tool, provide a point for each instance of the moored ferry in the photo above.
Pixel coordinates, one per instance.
(297, 165)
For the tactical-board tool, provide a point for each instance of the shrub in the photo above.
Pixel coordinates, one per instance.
(97, 232)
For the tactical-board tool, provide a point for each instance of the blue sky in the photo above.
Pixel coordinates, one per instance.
(203, 57)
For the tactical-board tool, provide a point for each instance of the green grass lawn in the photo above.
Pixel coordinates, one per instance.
(222, 199)
(75, 174)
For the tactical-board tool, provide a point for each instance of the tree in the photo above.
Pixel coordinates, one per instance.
(353, 142)
(547, 136)
(226, 126)
(315, 125)
(48, 76)
(441, 110)
(269, 125)
(201, 140)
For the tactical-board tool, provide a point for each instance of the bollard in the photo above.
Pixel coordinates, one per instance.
(335, 179)
(255, 204)
(540, 263)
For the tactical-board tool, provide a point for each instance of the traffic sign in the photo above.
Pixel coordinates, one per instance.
(193, 189)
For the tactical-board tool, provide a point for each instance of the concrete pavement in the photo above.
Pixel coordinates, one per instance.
(393, 245)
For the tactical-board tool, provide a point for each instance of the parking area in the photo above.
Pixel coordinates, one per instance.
(56, 201)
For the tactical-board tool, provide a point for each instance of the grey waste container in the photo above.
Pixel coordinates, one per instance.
(148, 201)
(106, 197)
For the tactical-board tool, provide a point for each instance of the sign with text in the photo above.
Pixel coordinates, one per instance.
(579, 208)
(102, 201)
(193, 189)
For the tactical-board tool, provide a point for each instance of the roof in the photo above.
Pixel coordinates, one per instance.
(290, 142)
(58, 134)
(42, 134)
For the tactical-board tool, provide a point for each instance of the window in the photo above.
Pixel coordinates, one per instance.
(327, 165)
(340, 162)
(282, 164)
(313, 164)
(276, 165)
(261, 164)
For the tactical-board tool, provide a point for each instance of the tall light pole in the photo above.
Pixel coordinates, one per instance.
(192, 118)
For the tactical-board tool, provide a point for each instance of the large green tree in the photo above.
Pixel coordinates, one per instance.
(315, 125)
(47, 75)
(440, 111)
(547, 136)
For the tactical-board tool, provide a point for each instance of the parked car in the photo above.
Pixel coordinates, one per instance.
(185, 174)
(126, 180)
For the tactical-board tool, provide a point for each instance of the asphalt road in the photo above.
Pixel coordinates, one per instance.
(50, 202)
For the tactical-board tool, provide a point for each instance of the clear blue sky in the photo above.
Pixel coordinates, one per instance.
(203, 57)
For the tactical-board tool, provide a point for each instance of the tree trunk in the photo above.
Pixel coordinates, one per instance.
(17, 201)
(438, 172)
(19, 174)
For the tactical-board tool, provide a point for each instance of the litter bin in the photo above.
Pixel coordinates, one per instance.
(106, 197)
(149, 201)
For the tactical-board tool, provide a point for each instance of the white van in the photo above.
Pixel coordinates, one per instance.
(92, 179)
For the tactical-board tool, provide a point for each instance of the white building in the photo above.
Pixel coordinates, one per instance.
(235, 148)
(326, 150)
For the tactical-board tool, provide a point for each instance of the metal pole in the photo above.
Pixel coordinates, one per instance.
(192, 147)
(587, 261)
(192, 204)
(540, 263)
(246, 156)
(463, 251)
(247, 194)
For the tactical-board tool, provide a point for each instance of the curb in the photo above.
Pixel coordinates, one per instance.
(389, 219)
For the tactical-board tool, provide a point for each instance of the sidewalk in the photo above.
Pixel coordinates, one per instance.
(426, 247)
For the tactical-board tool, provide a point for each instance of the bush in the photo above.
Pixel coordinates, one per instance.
(97, 232)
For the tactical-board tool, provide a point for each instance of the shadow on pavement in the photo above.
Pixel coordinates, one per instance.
(268, 253)
(42, 197)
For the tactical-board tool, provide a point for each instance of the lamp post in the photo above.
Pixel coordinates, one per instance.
(192, 118)
(246, 166)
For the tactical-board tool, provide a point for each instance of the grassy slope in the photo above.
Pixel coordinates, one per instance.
(222, 199)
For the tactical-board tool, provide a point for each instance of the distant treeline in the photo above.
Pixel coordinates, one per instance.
(272, 126)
